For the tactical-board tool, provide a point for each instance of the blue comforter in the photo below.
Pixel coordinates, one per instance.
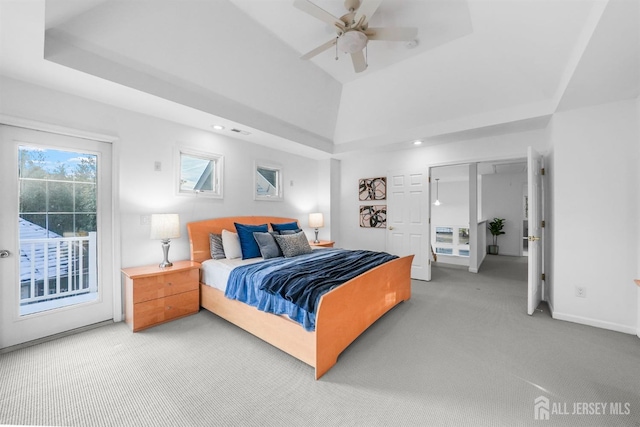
(293, 286)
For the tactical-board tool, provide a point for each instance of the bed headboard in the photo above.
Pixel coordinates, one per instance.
(199, 231)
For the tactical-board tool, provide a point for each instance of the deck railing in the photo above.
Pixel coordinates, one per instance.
(57, 268)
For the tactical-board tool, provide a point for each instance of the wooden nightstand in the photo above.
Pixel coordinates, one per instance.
(323, 243)
(155, 295)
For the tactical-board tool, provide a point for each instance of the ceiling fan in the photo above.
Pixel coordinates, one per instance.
(353, 29)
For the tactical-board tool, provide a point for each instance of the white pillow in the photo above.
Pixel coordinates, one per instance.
(231, 245)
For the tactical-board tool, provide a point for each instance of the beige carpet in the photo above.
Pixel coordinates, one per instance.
(461, 352)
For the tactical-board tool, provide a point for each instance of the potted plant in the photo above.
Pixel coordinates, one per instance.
(495, 227)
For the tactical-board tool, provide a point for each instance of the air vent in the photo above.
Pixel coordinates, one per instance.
(242, 132)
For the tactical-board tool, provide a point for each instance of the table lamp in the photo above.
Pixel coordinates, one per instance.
(316, 221)
(165, 227)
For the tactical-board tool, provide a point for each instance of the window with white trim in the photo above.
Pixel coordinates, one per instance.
(200, 173)
(268, 182)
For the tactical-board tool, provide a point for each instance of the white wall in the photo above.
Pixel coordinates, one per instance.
(144, 140)
(595, 210)
(454, 199)
(502, 198)
(373, 164)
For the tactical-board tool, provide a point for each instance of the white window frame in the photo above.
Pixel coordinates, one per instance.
(279, 190)
(218, 173)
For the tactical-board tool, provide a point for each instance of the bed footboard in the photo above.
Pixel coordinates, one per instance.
(348, 310)
(342, 315)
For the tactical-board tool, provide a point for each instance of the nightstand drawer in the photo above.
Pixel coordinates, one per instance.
(156, 311)
(160, 286)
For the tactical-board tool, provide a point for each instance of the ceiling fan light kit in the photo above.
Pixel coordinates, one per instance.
(353, 32)
(352, 42)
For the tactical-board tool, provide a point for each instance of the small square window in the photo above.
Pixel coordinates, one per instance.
(268, 181)
(444, 234)
(200, 173)
(444, 251)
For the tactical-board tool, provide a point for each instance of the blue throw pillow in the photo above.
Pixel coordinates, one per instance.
(285, 226)
(248, 244)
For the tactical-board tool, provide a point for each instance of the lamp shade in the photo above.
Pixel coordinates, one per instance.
(165, 226)
(316, 220)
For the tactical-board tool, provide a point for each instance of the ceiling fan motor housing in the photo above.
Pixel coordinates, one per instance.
(352, 42)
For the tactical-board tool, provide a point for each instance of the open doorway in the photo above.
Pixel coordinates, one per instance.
(496, 195)
(501, 193)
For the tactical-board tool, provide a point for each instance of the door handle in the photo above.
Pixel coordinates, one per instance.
(533, 238)
(4, 253)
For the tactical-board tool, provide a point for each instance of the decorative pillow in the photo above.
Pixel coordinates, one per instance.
(293, 244)
(267, 244)
(215, 244)
(231, 245)
(248, 244)
(285, 226)
(285, 232)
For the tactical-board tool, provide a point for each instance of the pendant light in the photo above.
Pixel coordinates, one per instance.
(437, 202)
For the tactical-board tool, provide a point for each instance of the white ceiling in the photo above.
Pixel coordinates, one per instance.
(481, 66)
(303, 32)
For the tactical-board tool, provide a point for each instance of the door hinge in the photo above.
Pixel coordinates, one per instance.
(429, 179)
(542, 276)
(542, 171)
(542, 224)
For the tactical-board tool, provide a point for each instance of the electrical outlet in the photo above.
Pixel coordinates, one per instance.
(145, 219)
(581, 292)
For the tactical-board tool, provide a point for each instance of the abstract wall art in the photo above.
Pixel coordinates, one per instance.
(373, 216)
(372, 189)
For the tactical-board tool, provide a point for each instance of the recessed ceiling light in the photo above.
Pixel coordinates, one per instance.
(218, 127)
(417, 142)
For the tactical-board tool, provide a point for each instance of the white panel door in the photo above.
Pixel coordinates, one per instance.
(408, 230)
(535, 229)
(56, 265)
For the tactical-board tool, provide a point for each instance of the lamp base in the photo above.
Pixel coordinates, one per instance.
(316, 241)
(165, 249)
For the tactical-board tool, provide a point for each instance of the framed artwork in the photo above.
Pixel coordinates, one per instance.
(373, 216)
(372, 189)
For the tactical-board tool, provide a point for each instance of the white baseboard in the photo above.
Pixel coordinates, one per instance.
(593, 322)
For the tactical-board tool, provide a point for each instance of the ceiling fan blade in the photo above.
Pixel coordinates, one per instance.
(319, 49)
(367, 9)
(359, 63)
(394, 34)
(317, 12)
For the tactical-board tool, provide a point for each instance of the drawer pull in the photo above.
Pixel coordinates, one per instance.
(169, 307)
(169, 284)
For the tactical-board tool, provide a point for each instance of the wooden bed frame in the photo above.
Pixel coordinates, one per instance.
(342, 315)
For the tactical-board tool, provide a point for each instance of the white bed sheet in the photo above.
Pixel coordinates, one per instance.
(215, 272)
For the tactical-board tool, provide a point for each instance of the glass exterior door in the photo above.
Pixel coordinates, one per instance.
(55, 233)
